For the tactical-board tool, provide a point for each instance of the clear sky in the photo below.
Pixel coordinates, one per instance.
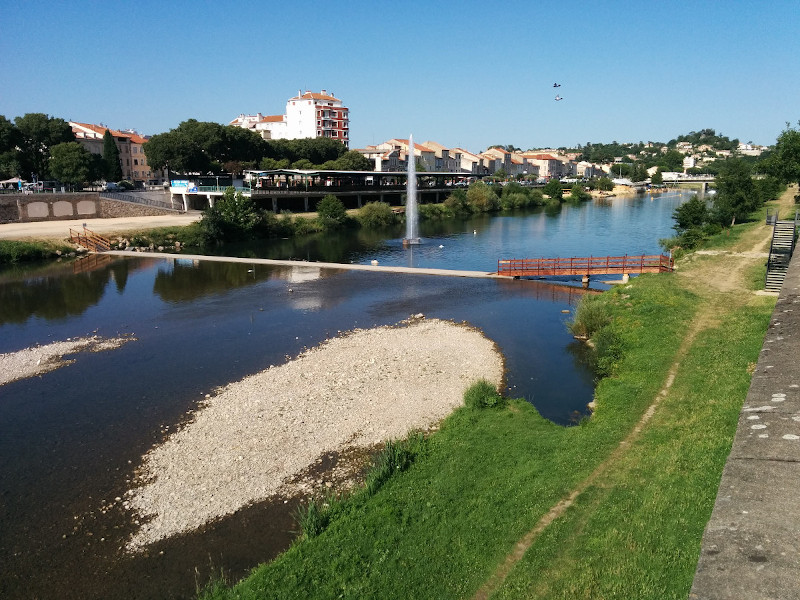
(466, 74)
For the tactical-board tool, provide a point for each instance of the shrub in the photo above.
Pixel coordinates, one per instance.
(434, 211)
(482, 198)
(590, 316)
(303, 226)
(483, 394)
(457, 202)
(553, 189)
(514, 200)
(331, 213)
(578, 193)
(376, 215)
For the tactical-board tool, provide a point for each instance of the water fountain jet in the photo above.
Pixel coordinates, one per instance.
(412, 217)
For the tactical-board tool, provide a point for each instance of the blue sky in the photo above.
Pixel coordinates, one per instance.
(466, 74)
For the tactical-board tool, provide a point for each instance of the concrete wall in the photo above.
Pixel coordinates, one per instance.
(25, 208)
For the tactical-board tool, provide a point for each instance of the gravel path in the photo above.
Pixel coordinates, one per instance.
(41, 359)
(250, 440)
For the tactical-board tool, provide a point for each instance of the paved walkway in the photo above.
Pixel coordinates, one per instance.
(751, 545)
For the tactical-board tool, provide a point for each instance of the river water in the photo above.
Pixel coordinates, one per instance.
(72, 438)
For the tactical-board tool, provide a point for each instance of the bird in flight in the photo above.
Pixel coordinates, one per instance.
(556, 85)
(558, 98)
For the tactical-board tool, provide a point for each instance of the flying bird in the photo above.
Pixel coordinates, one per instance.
(556, 85)
(558, 98)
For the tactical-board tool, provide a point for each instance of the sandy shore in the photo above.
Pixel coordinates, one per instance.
(41, 359)
(253, 437)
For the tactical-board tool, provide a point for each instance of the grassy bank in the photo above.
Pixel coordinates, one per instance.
(14, 252)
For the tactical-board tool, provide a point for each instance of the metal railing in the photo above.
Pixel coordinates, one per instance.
(592, 265)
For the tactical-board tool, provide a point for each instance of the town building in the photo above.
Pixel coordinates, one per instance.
(308, 115)
(131, 151)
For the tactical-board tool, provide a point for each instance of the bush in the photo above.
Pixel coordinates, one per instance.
(233, 217)
(434, 211)
(590, 316)
(482, 394)
(514, 200)
(376, 215)
(578, 193)
(553, 189)
(482, 198)
(458, 203)
(331, 213)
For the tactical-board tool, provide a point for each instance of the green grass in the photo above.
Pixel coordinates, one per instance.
(440, 528)
(13, 252)
(638, 534)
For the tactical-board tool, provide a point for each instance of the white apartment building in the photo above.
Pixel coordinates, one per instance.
(308, 115)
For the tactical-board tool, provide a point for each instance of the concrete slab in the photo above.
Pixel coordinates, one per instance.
(750, 547)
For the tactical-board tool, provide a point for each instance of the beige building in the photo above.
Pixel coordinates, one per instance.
(131, 152)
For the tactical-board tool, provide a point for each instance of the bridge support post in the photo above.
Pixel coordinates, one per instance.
(275, 205)
(210, 200)
(305, 203)
(185, 203)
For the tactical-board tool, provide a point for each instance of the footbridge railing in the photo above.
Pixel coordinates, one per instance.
(585, 266)
(90, 240)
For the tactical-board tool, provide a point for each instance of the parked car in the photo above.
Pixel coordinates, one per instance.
(110, 186)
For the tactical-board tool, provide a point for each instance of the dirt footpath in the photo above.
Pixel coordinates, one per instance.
(59, 230)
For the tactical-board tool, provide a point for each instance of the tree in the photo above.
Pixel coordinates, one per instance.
(112, 168)
(657, 178)
(671, 161)
(331, 213)
(784, 162)
(354, 161)
(553, 189)
(204, 147)
(70, 163)
(604, 184)
(38, 133)
(482, 198)
(9, 154)
(693, 213)
(736, 194)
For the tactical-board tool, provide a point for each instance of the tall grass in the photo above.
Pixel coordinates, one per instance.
(13, 252)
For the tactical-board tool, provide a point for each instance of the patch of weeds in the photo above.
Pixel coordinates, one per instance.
(396, 457)
(483, 394)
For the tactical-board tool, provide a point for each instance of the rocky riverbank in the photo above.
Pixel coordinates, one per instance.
(30, 362)
(252, 438)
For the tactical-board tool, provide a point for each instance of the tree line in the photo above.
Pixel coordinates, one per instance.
(738, 192)
(209, 148)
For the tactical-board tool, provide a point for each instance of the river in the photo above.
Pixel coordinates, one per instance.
(71, 439)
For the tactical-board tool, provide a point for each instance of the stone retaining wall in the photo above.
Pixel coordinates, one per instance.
(26, 208)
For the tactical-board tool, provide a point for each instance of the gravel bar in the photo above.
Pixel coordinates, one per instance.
(251, 439)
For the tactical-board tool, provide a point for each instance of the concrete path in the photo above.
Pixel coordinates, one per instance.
(312, 265)
(751, 545)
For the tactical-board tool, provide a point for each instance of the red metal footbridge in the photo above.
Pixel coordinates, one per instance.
(592, 265)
